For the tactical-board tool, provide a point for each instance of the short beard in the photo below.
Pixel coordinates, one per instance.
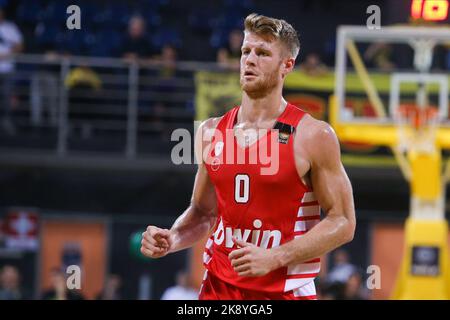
(261, 88)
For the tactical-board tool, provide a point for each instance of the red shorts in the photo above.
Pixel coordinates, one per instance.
(215, 289)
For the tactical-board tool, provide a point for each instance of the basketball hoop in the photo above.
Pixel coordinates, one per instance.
(416, 116)
(416, 126)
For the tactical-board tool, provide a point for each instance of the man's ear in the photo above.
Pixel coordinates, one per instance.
(288, 65)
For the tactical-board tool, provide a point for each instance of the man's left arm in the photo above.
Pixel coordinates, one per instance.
(334, 193)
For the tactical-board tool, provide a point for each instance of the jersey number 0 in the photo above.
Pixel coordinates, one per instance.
(241, 188)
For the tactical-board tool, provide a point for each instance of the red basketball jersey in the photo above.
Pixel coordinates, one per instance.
(265, 209)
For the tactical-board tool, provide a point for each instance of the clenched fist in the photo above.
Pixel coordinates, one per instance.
(156, 242)
(251, 261)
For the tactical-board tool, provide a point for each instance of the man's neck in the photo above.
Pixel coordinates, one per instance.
(263, 109)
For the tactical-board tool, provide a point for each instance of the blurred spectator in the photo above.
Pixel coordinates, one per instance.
(168, 62)
(182, 290)
(111, 291)
(350, 289)
(84, 77)
(342, 268)
(353, 289)
(378, 55)
(229, 57)
(58, 289)
(44, 88)
(84, 86)
(136, 46)
(10, 43)
(44, 95)
(10, 284)
(313, 66)
(326, 291)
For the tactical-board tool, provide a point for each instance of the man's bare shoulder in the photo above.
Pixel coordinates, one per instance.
(313, 129)
(210, 123)
(207, 127)
(316, 138)
(203, 137)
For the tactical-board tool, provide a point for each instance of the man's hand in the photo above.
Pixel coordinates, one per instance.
(250, 260)
(156, 242)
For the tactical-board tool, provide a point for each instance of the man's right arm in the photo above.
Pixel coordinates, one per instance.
(198, 219)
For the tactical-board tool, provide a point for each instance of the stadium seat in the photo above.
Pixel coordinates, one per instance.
(29, 12)
(110, 43)
(219, 38)
(55, 12)
(45, 34)
(201, 19)
(70, 41)
(239, 4)
(166, 36)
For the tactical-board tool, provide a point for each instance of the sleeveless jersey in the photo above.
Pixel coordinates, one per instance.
(265, 209)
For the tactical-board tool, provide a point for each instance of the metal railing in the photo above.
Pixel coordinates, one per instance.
(65, 106)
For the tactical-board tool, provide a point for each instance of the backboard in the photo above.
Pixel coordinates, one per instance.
(379, 71)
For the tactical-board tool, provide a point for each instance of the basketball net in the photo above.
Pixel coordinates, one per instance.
(416, 127)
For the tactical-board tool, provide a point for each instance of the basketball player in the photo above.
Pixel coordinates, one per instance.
(268, 235)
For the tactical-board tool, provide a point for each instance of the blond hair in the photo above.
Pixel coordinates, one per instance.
(275, 29)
